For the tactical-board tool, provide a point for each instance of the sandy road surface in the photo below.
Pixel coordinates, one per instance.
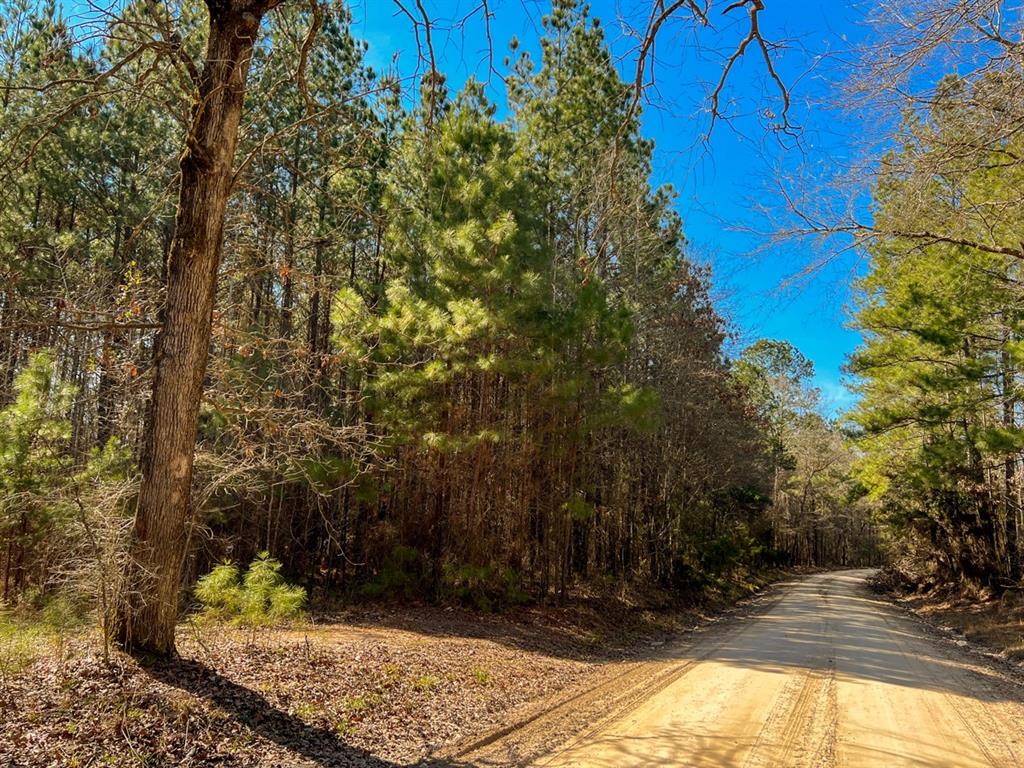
(827, 675)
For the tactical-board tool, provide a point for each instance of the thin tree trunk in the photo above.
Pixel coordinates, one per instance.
(1009, 469)
(148, 611)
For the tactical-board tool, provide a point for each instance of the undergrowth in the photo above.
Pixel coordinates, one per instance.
(259, 598)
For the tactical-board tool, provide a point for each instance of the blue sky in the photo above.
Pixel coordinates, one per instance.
(721, 184)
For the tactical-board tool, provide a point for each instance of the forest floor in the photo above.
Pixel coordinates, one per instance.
(369, 686)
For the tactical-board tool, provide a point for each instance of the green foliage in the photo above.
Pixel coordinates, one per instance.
(110, 463)
(35, 431)
(260, 597)
(710, 560)
(460, 352)
(472, 296)
(937, 424)
(220, 592)
(577, 508)
(403, 573)
(484, 587)
(723, 554)
(28, 632)
(35, 434)
(267, 596)
(20, 645)
(62, 614)
(324, 474)
(426, 683)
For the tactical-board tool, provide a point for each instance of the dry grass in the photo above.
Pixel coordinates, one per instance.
(375, 687)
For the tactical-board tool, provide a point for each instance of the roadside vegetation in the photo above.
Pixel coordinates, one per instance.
(460, 357)
(938, 423)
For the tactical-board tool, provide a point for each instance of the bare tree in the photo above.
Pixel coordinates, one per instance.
(959, 60)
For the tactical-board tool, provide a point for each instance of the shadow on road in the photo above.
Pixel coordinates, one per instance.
(692, 749)
(834, 621)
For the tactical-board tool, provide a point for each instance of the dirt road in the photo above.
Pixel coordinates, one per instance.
(827, 674)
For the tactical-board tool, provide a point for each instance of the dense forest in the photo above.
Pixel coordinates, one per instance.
(939, 418)
(423, 345)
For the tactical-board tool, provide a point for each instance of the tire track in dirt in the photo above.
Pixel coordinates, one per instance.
(796, 732)
(826, 675)
(799, 729)
(569, 720)
(976, 719)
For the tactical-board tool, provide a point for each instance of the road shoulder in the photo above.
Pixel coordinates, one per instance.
(985, 629)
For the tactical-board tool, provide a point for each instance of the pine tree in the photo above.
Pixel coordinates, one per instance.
(937, 370)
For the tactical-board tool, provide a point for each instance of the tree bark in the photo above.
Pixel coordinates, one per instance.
(148, 611)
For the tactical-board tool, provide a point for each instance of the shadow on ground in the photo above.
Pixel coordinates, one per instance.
(831, 622)
(821, 621)
(316, 746)
(590, 629)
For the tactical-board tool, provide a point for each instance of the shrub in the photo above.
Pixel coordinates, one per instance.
(260, 597)
(485, 587)
(267, 596)
(404, 573)
(220, 592)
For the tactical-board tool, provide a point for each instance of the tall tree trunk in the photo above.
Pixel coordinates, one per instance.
(1009, 468)
(105, 395)
(148, 611)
